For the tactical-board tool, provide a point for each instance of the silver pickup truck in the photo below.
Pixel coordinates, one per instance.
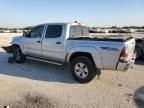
(70, 43)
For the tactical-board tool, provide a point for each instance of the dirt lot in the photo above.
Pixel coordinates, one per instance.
(45, 85)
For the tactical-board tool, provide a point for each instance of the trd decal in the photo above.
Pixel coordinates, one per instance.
(109, 49)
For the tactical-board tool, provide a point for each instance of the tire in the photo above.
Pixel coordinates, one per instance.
(143, 56)
(83, 69)
(139, 53)
(10, 60)
(18, 56)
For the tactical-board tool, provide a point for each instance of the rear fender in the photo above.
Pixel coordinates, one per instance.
(91, 50)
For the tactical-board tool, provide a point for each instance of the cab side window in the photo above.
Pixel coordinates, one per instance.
(54, 31)
(75, 31)
(36, 32)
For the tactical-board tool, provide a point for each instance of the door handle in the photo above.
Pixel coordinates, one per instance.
(58, 43)
(38, 41)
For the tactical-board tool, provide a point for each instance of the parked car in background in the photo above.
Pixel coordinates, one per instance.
(139, 48)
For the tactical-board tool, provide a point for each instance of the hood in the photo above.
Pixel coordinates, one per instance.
(16, 39)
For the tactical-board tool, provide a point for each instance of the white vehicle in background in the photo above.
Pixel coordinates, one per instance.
(7, 31)
(104, 31)
(130, 30)
(70, 43)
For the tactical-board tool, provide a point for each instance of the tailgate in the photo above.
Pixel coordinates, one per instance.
(130, 47)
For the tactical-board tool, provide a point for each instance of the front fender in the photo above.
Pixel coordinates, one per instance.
(17, 41)
(91, 50)
(9, 49)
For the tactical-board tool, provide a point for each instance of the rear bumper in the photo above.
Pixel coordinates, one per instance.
(124, 66)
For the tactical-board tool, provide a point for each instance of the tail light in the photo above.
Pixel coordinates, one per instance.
(123, 55)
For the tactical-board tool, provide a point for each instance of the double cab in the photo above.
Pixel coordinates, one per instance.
(71, 43)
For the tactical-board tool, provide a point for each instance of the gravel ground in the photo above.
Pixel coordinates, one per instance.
(54, 83)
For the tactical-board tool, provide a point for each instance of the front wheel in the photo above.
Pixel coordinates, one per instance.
(83, 69)
(18, 56)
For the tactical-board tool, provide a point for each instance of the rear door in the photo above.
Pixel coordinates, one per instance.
(53, 42)
(33, 42)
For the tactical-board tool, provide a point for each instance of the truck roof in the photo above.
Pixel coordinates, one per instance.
(63, 23)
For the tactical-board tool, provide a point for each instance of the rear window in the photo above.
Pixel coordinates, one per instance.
(54, 31)
(77, 31)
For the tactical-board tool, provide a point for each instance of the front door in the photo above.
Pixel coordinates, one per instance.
(33, 42)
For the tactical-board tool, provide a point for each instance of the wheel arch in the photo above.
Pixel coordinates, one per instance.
(89, 52)
(16, 45)
(77, 54)
(19, 46)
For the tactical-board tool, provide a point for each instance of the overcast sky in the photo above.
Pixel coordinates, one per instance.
(21, 13)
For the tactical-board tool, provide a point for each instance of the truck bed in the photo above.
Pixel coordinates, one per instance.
(115, 38)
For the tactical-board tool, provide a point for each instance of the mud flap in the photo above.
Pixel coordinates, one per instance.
(9, 49)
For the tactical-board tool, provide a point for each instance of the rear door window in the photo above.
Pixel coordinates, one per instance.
(54, 31)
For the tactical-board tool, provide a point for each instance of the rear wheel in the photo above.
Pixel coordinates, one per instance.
(18, 56)
(83, 69)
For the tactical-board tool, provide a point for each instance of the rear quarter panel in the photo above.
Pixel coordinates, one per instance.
(105, 54)
(85, 49)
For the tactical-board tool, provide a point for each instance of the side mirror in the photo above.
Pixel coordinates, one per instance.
(26, 34)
